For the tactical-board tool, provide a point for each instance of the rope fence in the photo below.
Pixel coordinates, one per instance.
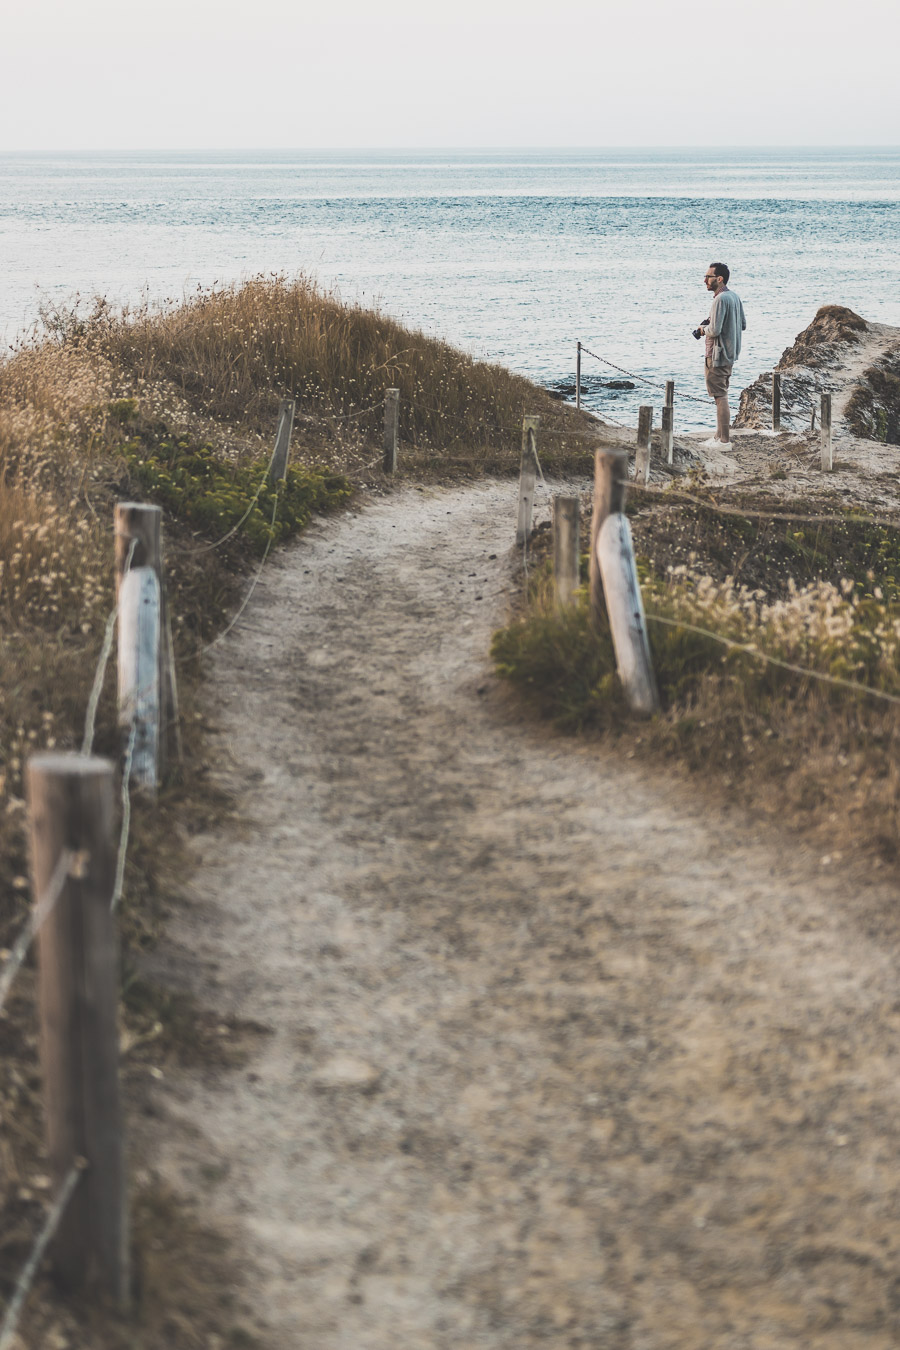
(70, 797)
(752, 513)
(70, 865)
(654, 384)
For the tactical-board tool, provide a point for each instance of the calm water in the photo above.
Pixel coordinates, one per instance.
(511, 255)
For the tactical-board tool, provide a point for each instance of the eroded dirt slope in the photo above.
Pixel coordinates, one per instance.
(559, 1055)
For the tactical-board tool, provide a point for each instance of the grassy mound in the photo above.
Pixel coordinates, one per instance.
(234, 352)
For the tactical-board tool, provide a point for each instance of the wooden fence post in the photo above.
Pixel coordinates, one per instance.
(642, 456)
(578, 376)
(615, 554)
(670, 394)
(610, 486)
(668, 432)
(528, 467)
(278, 467)
(141, 524)
(71, 807)
(566, 521)
(776, 400)
(825, 432)
(391, 429)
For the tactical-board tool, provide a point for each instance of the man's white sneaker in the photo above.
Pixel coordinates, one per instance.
(715, 444)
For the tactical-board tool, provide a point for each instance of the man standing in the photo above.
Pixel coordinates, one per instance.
(722, 332)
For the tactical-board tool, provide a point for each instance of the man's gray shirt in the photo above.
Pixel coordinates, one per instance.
(726, 323)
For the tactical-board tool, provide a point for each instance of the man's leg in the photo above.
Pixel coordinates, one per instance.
(723, 420)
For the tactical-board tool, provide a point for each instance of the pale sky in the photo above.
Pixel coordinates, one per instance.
(222, 74)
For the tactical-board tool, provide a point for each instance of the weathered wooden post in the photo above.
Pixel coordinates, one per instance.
(278, 467)
(669, 401)
(140, 646)
(566, 521)
(668, 432)
(776, 400)
(610, 486)
(141, 524)
(578, 376)
(825, 432)
(391, 429)
(642, 455)
(528, 470)
(71, 808)
(615, 553)
(147, 689)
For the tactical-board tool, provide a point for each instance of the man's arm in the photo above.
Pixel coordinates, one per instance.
(743, 320)
(714, 322)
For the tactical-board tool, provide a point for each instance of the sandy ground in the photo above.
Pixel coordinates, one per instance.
(559, 1055)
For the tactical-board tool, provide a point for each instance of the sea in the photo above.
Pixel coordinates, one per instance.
(513, 255)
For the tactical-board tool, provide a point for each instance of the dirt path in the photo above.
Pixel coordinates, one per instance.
(558, 1057)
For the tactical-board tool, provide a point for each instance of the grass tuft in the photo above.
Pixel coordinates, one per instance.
(788, 746)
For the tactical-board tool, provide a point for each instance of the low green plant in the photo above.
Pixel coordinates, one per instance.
(193, 483)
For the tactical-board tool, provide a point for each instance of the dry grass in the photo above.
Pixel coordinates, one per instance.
(819, 758)
(240, 349)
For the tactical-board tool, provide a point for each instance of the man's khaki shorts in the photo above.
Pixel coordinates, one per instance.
(717, 380)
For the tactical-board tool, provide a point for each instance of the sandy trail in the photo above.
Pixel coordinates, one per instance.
(559, 1056)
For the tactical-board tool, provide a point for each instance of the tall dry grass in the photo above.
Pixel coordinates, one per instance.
(239, 349)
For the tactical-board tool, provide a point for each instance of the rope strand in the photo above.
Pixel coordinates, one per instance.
(39, 913)
(694, 398)
(751, 650)
(23, 1285)
(87, 743)
(119, 884)
(245, 602)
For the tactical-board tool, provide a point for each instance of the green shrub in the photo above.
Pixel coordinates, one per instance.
(193, 483)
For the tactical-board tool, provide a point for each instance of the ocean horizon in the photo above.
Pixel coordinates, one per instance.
(513, 255)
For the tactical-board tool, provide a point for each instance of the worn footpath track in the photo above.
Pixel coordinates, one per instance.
(559, 1055)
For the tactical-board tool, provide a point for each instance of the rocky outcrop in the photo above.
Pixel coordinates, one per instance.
(817, 346)
(857, 362)
(873, 408)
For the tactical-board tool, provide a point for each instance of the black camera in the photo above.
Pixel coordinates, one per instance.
(698, 332)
